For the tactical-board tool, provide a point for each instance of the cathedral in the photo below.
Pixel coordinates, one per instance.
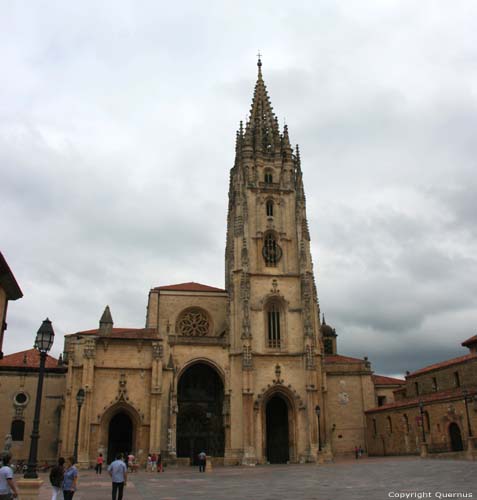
(250, 374)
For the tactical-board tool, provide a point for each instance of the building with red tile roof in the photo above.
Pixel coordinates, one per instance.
(434, 412)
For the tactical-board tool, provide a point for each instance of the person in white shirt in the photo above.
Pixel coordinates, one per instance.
(8, 487)
(119, 475)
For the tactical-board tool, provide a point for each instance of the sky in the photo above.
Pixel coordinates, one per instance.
(117, 131)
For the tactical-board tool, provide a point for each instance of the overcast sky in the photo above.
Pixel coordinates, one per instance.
(117, 130)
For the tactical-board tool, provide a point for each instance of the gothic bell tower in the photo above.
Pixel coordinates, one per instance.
(275, 350)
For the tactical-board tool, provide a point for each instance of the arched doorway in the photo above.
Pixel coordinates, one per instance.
(200, 423)
(455, 437)
(277, 435)
(120, 435)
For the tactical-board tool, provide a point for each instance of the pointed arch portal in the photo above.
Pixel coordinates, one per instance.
(277, 437)
(120, 435)
(200, 421)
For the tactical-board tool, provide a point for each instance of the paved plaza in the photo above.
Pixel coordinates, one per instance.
(370, 479)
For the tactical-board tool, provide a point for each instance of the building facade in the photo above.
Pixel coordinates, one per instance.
(434, 412)
(249, 373)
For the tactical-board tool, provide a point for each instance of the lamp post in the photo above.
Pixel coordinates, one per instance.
(466, 398)
(318, 412)
(79, 400)
(43, 343)
(421, 409)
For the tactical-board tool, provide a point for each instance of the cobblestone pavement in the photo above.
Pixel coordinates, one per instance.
(370, 479)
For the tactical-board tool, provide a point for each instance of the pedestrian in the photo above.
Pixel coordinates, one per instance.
(99, 463)
(159, 463)
(149, 463)
(153, 462)
(360, 451)
(131, 462)
(70, 479)
(8, 488)
(356, 452)
(202, 461)
(119, 475)
(56, 477)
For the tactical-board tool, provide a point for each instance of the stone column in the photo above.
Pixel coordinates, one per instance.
(472, 448)
(89, 354)
(156, 396)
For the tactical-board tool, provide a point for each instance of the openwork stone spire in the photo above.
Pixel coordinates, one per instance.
(262, 131)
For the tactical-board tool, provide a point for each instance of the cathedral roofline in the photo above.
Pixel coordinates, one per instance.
(190, 286)
(121, 333)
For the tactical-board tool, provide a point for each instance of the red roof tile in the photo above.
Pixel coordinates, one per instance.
(342, 359)
(189, 287)
(469, 342)
(443, 364)
(28, 359)
(425, 398)
(382, 380)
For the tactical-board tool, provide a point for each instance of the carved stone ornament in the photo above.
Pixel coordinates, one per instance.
(156, 350)
(247, 361)
(122, 388)
(343, 398)
(89, 350)
(278, 374)
(193, 323)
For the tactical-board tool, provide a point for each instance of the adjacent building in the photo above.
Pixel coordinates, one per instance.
(434, 412)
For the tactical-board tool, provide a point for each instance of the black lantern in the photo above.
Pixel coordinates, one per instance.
(43, 343)
(318, 413)
(44, 337)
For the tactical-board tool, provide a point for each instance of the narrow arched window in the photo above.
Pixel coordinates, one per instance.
(268, 177)
(390, 425)
(428, 421)
(271, 250)
(17, 430)
(273, 326)
(406, 423)
(269, 206)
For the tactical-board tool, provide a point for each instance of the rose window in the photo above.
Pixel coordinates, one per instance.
(194, 323)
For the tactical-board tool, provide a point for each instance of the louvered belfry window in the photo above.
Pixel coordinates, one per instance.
(273, 317)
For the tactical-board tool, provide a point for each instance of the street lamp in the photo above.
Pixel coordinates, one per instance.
(43, 343)
(318, 411)
(421, 409)
(466, 398)
(79, 400)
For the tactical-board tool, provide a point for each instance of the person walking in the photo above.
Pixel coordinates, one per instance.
(202, 461)
(119, 475)
(56, 477)
(149, 463)
(356, 452)
(70, 479)
(153, 462)
(99, 463)
(8, 488)
(159, 463)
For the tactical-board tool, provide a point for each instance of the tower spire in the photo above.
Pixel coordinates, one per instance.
(262, 127)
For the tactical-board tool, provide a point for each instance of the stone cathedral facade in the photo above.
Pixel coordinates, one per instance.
(237, 372)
